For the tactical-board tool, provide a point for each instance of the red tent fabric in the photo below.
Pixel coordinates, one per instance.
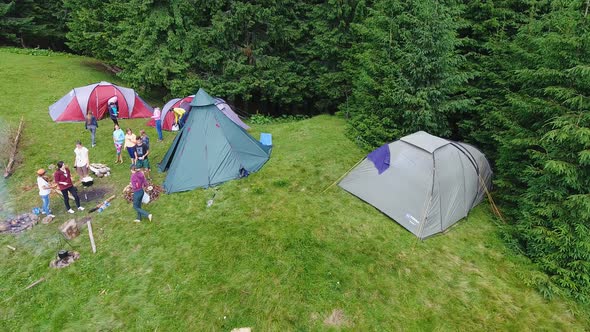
(167, 114)
(93, 98)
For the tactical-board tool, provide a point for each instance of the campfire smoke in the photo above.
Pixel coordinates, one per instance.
(6, 132)
(4, 201)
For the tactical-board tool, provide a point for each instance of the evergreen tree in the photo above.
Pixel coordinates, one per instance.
(156, 42)
(544, 163)
(254, 40)
(488, 28)
(14, 24)
(92, 26)
(51, 16)
(328, 48)
(28, 23)
(405, 71)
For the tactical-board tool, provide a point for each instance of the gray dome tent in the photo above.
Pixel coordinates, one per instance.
(423, 182)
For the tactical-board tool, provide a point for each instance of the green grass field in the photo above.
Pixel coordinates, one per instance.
(274, 252)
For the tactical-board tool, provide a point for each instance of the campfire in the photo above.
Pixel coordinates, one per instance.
(64, 258)
(19, 223)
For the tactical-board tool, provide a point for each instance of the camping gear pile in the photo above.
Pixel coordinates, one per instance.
(100, 170)
(423, 182)
(213, 147)
(19, 223)
(152, 192)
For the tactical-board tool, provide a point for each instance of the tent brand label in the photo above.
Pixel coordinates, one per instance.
(412, 220)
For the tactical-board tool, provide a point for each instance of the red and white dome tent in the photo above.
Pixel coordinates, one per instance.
(167, 115)
(93, 98)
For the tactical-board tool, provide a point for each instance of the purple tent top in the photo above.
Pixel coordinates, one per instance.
(380, 158)
(226, 109)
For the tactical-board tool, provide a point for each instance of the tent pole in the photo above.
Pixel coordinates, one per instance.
(96, 108)
(493, 205)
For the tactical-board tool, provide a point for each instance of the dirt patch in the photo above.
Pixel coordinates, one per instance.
(337, 318)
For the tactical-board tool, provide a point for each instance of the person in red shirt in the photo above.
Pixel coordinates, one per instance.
(63, 178)
(138, 182)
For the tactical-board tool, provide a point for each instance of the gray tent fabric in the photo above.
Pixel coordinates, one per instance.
(226, 109)
(430, 184)
(210, 149)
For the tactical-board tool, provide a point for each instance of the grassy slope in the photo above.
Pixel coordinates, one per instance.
(274, 252)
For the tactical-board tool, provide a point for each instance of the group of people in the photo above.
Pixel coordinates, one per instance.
(137, 147)
(62, 180)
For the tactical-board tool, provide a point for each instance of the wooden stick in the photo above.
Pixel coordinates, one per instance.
(91, 237)
(98, 206)
(35, 283)
(8, 168)
(493, 205)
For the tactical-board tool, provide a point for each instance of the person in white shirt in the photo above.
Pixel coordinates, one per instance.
(82, 162)
(44, 191)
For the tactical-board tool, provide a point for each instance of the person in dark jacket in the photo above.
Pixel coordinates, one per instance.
(91, 124)
(63, 178)
(114, 111)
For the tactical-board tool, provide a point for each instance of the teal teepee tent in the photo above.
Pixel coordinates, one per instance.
(210, 149)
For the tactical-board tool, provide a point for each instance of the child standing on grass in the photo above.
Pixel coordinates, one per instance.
(138, 182)
(141, 157)
(119, 140)
(144, 138)
(130, 140)
(44, 191)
